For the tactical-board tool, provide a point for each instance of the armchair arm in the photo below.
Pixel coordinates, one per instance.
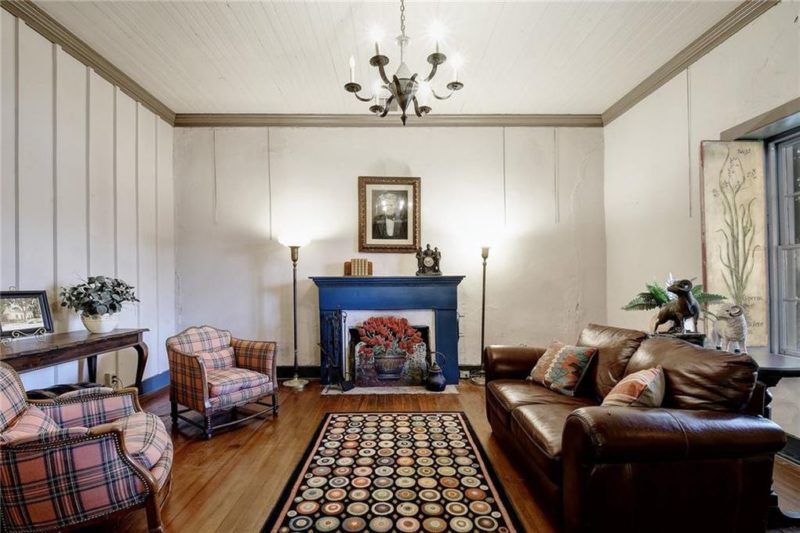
(68, 480)
(90, 407)
(510, 362)
(258, 356)
(188, 382)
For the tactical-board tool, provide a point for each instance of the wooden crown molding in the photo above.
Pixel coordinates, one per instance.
(746, 12)
(193, 120)
(773, 122)
(55, 32)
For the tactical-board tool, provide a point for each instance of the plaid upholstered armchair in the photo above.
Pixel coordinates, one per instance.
(78, 459)
(211, 372)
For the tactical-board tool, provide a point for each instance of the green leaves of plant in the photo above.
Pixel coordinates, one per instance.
(98, 295)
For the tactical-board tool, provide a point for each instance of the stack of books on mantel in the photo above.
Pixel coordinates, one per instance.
(358, 267)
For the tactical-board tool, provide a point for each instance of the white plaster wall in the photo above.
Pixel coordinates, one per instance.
(544, 213)
(652, 163)
(85, 189)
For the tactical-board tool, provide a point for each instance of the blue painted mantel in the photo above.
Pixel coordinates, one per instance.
(353, 293)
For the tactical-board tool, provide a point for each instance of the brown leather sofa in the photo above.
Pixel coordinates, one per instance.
(698, 463)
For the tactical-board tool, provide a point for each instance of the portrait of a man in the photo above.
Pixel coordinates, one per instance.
(388, 214)
(390, 218)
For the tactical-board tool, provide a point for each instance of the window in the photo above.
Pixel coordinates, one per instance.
(785, 220)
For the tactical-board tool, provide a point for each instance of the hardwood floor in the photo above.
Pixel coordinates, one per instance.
(230, 483)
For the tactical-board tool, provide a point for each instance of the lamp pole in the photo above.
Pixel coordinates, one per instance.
(479, 378)
(295, 382)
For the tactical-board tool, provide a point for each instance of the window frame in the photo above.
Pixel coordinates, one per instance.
(779, 191)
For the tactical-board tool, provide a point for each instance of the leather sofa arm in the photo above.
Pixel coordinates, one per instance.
(510, 362)
(673, 463)
(629, 434)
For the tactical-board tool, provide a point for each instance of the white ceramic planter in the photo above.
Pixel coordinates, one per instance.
(100, 323)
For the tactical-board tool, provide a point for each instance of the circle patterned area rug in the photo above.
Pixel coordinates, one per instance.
(382, 472)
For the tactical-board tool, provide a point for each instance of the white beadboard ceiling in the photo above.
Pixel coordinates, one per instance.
(292, 57)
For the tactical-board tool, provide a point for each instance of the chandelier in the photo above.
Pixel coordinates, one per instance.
(403, 87)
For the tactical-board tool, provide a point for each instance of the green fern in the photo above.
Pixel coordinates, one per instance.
(706, 298)
(656, 296)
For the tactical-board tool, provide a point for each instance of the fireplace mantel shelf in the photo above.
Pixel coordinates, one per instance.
(386, 280)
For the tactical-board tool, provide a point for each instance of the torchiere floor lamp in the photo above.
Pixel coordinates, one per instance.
(479, 378)
(294, 247)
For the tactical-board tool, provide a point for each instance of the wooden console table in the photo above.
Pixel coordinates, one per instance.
(33, 353)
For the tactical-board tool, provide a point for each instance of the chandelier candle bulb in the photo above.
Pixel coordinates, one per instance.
(352, 69)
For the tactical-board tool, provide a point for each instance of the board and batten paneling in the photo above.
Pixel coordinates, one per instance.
(8, 150)
(35, 195)
(127, 216)
(72, 258)
(80, 179)
(238, 190)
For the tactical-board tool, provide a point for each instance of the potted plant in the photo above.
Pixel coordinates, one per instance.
(99, 301)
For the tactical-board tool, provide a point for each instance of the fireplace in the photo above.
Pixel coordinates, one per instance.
(428, 302)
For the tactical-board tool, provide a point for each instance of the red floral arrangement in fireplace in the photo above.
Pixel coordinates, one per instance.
(388, 334)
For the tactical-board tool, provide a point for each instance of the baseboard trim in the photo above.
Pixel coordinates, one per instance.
(791, 452)
(313, 372)
(160, 381)
(155, 383)
(307, 372)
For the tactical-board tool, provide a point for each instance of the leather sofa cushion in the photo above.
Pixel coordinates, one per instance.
(616, 346)
(698, 378)
(539, 429)
(512, 393)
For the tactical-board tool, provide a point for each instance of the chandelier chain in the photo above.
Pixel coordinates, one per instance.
(403, 18)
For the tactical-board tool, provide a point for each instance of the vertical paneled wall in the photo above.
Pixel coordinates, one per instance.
(534, 194)
(85, 189)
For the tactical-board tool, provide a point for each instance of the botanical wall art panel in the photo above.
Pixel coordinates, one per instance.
(734, 229)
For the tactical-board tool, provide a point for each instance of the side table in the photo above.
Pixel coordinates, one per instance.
(771, 369)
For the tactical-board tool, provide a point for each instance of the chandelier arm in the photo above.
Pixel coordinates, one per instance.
(416, 107)
(386, 106)
(382, 72)
(434, 68)
(363, 99)
(441, 97)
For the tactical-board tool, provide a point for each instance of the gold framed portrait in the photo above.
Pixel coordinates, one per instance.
(388, 214)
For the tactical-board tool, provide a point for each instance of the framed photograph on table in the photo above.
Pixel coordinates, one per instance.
(388, 214)
(24, 313)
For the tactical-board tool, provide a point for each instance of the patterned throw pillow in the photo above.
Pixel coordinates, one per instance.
(562, 367)
(218, 359)
(644, 388)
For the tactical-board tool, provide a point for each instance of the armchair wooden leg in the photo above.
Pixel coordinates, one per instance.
(274, 404)
(154, 523)
(174, 413)
(209, 429)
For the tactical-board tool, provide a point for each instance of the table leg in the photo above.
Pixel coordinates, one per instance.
(142, 351)
(91, 366)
